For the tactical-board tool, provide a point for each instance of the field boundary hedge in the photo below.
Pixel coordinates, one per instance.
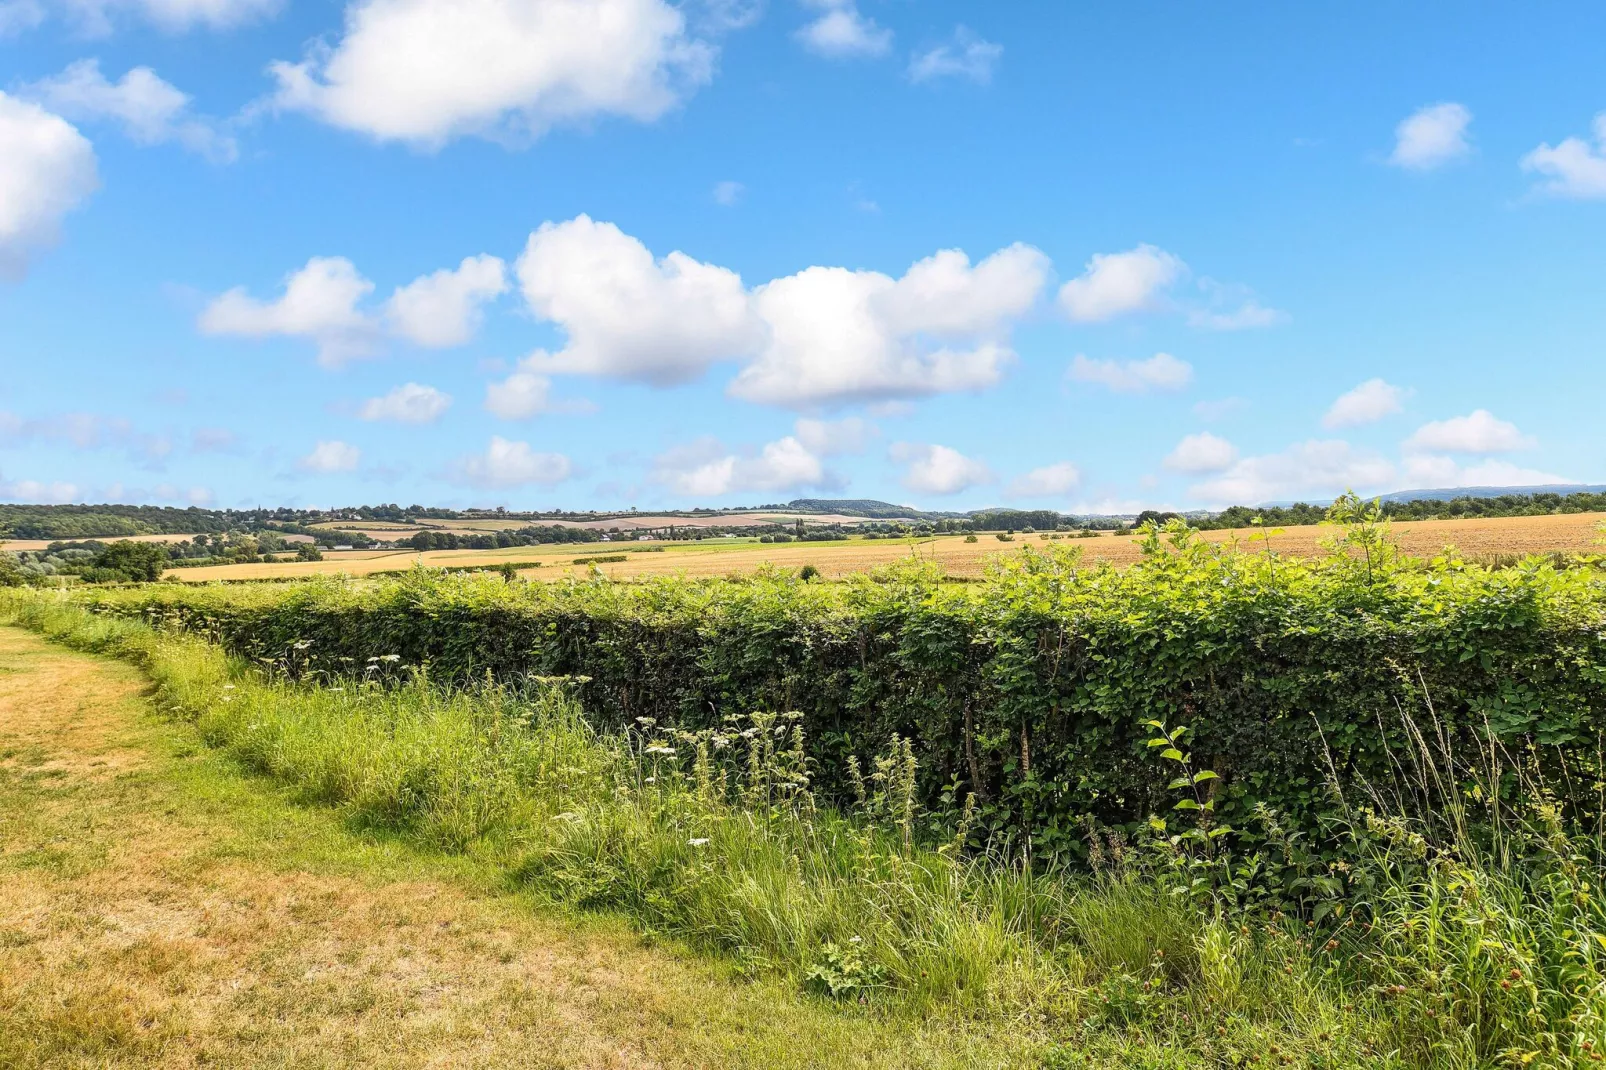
(1032, 688)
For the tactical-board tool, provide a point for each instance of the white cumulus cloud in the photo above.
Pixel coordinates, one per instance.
(1431, 137)
(331, 455)
(426, 71)
(1429, 471)
(528, 393)
(1479, 431)
(506, 464)
(1114, 284)
(444, 309)
(1575, 168)
(966, 56)
(823, 336)
(933, 469)
(410, 403)
(705, 469)
(1159, 372)
(628, 316)
(47, 168)
(1366, 404)
(1201, 453)
(520, 396)
(319, 302)
(837, 335)
(842, 31)
(150, 110)
(1049, 481)
(1314, 470)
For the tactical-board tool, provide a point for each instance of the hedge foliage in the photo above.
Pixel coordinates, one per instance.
(1031, 689)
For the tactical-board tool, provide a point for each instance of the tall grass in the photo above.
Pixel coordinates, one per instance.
(1425, 950)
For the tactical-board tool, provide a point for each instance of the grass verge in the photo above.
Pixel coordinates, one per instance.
(158, 908)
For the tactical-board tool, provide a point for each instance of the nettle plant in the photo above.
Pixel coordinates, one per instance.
(1188, 844)
(1212, 863)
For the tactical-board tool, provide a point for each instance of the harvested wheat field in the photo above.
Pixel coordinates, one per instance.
(1477, 538)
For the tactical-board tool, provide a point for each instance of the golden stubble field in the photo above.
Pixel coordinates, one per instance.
(1474, 538)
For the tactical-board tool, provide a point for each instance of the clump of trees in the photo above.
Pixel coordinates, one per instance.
(124, 561)
(239, 548)
(127, 561)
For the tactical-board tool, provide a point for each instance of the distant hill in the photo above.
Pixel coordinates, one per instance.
(1445, 494)
(865, 507)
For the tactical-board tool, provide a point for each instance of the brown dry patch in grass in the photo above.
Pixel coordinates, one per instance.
(55, 721)
(159, 909)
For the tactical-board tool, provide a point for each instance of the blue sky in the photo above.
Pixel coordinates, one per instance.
(599, 253)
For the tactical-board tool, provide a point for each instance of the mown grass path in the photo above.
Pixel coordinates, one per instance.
(159, 908)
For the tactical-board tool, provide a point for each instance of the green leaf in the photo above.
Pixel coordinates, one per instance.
(1172, 753)
(1204, 775)
(1159, 743)
(1187, 804)
(1180, 782)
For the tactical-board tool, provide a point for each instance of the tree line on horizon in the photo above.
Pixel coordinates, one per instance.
(72, 522)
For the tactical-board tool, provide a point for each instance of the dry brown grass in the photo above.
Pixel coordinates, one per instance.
(157, 909)
(1474, 538)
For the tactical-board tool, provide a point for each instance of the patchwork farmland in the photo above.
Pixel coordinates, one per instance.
(1482, 538)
